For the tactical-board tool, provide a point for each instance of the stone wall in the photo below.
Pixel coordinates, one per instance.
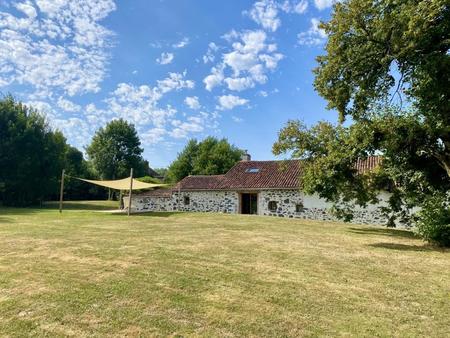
(209, 201)
(201, 201)
(295, 204)
(289, 203)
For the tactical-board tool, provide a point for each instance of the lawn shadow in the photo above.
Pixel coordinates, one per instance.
(156, 214)
(384, 232)
(4, 220)
(148, 214)
(6, 211)
(407, 247)
(81, 205)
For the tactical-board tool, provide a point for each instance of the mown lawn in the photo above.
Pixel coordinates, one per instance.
(88, 273)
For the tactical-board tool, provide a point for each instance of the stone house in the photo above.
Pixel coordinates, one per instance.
(253, 187)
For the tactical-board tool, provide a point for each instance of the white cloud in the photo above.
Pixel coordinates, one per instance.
(63, 49)
(265, 13)
(227, 102)
(323, 4)
(209, 56)
(165, 58)
(263, 93)
(240, 83)
(182, 43)
(192, 102)
(194, 124)
(215, 78)
(175, 81)
(154, 135)
(298, 7)
(301, 7)
(313, 36)
(68, 105)
(237, 119)
(249, 60)
(140, 104)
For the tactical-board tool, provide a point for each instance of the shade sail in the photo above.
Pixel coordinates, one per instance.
(123, 184)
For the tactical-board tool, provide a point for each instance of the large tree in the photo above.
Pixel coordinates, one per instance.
(115, 149)
(208, 157)
(387, 66)
(31, 154)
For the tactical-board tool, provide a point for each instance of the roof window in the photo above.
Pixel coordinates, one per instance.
(252, 170)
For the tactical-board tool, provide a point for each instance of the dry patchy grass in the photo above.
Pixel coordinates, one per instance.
(85, 273)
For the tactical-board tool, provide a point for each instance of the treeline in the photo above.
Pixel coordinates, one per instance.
(32, 156)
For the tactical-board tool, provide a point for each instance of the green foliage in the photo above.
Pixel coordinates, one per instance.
(368, 38)
(433, 222)
(115, 149)
(379, 51)
(149, 179)
(208, 157)
(31, 154)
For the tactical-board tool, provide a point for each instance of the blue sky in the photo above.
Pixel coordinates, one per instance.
(177, 69)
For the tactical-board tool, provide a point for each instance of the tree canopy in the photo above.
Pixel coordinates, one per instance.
(31, 154)
(115, 149)
(387, 67)
(208, 157)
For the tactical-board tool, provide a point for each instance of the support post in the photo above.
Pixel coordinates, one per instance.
(61, 192)
(131, 189)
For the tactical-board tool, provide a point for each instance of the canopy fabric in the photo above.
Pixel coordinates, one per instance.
(123, 184)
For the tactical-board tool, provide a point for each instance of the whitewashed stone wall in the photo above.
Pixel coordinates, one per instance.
(313, 207)
(209, 201)
(228, 202)
(200, 201)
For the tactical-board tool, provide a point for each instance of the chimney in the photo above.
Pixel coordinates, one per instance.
(246, 156)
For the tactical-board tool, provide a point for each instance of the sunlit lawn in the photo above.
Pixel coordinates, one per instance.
(89, 273)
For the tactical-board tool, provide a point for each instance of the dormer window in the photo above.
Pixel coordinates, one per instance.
(252, 170)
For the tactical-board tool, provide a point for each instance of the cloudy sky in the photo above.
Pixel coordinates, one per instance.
(177, 69)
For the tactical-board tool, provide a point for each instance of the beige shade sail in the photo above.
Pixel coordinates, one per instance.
(123, 184)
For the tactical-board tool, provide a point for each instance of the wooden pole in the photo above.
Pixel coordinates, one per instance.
(61, 192)
(131, 189)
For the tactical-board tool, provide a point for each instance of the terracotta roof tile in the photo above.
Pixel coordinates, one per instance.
(156, 193)
(368, 164)
(201, 182)
(257, 175)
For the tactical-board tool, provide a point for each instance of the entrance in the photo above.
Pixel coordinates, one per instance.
(249, 204)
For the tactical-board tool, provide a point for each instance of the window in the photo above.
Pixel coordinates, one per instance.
(299, 207)
(252, 170)
(186, 200)
(273, 206)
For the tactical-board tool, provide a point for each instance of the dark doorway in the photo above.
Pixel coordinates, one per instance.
(249, 204)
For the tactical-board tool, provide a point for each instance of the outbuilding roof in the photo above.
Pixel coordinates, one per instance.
(258, 175)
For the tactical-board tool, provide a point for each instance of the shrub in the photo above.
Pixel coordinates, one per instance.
(433, 223)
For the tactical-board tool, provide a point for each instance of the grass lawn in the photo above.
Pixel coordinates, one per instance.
(87, 273)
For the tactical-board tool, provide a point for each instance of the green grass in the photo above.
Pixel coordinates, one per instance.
(87, 273)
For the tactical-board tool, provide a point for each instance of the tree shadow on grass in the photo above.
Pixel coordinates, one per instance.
(4, 220)
(81, 205)
(150, 214)
(384, 232)
(407, 247)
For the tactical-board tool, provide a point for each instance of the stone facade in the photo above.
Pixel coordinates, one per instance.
(277, 202)
(295, 204)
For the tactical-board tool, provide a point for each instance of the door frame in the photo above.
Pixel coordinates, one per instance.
(251, 193)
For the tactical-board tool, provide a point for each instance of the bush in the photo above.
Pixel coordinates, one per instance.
(433, 223)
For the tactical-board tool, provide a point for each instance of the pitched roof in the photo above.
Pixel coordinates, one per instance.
(261, 175)
(202, 182)
(254, 175)
(264, 174)
(163, 192)
(368, 164)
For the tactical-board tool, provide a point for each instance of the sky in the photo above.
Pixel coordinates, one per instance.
(176, 69)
